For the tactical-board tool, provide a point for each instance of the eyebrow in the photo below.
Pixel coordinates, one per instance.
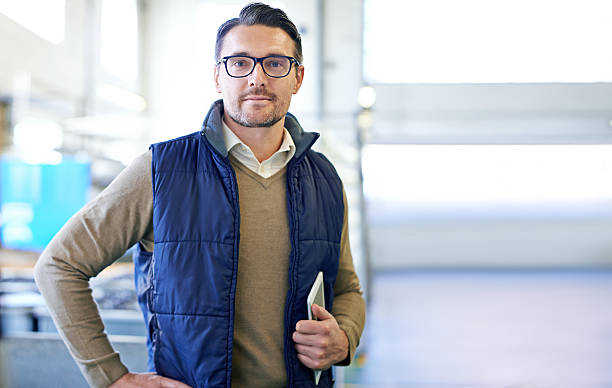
(267, 55)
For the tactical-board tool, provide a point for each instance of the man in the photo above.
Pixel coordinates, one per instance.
(233, 223)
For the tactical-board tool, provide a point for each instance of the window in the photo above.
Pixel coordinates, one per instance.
(119, 52)
(44, 18)
(485, 41)
(484, 176)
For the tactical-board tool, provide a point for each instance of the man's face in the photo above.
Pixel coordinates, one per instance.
(257, 100)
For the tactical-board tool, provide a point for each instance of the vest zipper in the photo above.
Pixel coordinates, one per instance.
(236, 204)
(292, 259)
(292, 184)
(234, 187)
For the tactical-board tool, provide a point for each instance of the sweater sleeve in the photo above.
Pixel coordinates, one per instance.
(90, 241)
(349, 305)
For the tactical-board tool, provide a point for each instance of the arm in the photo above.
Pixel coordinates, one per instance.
(349, 306)
(334, 338)
(90, 241)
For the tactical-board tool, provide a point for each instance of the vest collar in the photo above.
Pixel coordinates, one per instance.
(212, 128)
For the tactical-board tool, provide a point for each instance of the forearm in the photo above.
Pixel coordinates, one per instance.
(76, 317)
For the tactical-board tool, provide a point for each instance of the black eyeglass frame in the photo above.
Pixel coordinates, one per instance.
(256, 61)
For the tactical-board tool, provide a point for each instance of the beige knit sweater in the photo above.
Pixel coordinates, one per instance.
(122, 215)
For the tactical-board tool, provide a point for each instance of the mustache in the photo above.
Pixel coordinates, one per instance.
(259, 92)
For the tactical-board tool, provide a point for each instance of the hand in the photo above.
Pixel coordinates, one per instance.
(146, 380)
(322, 343)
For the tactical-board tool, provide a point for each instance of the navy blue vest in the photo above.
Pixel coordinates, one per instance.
(186, 287)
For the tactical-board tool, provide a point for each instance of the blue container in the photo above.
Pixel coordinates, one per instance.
(37, 199)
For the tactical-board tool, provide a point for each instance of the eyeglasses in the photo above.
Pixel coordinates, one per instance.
(275, 66)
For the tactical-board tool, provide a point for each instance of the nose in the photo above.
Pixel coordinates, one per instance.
(258, 77)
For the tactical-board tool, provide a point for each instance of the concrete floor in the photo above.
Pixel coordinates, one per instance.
(481, 329)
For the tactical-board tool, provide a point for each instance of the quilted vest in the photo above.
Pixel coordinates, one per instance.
(186, 286)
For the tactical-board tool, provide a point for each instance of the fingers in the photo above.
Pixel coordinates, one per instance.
(324, 325)
(169, 383)
(318, 340)
(321, 313)
(312, 327)
(310, 363)
(131, 380)
(312, 352)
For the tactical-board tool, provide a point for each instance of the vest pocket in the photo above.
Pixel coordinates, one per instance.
(192, 278)
(193, 349)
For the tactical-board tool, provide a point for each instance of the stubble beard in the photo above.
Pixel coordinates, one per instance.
(241, 117)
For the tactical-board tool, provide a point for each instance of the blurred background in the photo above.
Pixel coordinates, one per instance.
(474, 139)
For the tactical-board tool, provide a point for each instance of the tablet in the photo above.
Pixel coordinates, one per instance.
(316, 296)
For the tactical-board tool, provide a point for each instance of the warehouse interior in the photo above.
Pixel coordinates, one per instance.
(473, 139)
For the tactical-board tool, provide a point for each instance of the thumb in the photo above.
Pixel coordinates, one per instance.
(321, 313)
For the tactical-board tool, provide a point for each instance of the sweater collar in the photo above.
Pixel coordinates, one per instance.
(212, 128)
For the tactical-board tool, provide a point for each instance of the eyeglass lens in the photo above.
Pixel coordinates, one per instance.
(273, 66)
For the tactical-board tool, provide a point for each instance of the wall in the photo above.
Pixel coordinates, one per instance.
(57, 71)
(491, 114)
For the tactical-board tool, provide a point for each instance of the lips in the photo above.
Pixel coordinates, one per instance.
(257, 98)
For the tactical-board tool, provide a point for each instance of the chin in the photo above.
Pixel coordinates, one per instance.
(264, 123)
(256, 121)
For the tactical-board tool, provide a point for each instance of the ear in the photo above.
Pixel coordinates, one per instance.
(216, 75)
(299, 78)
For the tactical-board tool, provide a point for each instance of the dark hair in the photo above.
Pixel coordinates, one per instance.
(259, 13)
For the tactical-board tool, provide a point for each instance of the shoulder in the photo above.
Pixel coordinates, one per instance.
(136, 174)
(141, 163)
(177, 143)
(176, 154)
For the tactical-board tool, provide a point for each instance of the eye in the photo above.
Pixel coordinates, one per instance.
(275, 63)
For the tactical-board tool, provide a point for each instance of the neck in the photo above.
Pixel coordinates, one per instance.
(263, 141)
